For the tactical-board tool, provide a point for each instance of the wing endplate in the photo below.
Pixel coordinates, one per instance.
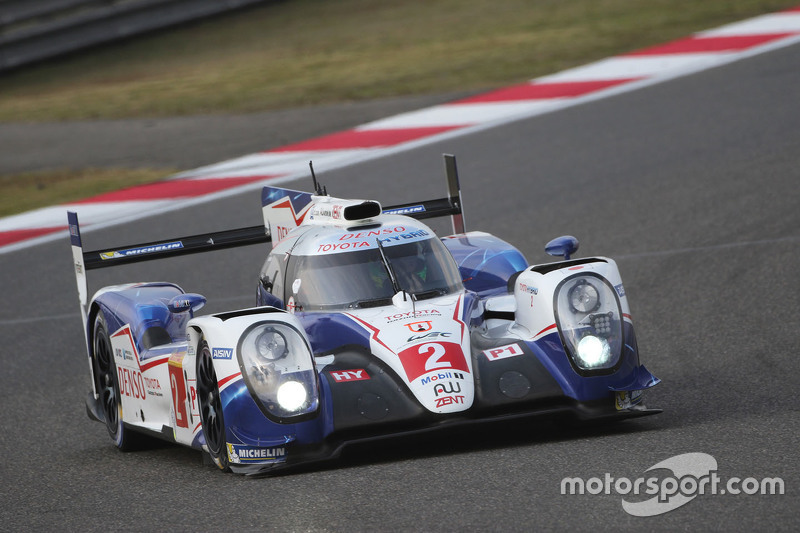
(284, 210)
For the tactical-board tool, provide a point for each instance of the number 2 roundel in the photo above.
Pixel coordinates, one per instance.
(432, 356)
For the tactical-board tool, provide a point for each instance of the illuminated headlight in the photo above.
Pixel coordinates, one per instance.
(278, 368)
(590, 322)
(292, 395)
(593, 351)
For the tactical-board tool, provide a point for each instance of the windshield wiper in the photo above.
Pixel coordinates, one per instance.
(398, 290)
(388, 266)
(433, 293)
(375, 302)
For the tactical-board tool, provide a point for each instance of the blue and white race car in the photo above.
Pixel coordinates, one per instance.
(366, 326)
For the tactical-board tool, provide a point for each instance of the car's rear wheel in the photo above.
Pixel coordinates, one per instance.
(211, 407)
(107, 387)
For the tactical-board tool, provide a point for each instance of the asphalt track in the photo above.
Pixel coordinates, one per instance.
(691, 185)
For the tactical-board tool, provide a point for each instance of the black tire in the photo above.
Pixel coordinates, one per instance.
(211, 408)
(107, 387)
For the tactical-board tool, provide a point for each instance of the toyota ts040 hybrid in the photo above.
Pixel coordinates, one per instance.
(366, 325)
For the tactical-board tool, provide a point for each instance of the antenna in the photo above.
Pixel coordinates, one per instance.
(318, 190)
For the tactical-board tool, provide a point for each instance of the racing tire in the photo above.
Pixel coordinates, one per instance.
(108, 388)
(211, 417)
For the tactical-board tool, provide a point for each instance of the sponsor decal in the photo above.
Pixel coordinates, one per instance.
(164, 247)
(527, 288)
(627, 399)
(405, 210)
(240, 454)
(222, 353)
(620, 290)
(153, 387)
(503, 352)
(322, 211)
(440, 376)
(177, 385)
(338, 247)
(337, 212)
(366, 239)
(181, 305)
(124, 354)
(292, 307)
(446, 388)
(429, 335)
(131, 383)
(448, 400)
(422, 325)
(74, 231)
(372, 233)
(420, 233)
(341, 376)
(412, 314)
(282, 231)
(421, 359)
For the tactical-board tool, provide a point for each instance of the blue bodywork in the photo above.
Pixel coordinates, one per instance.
(486, 265)
(145, 307)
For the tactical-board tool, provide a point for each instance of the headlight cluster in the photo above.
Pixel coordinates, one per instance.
(590, 321)
(277, 365)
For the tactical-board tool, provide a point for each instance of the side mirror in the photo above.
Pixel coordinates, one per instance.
(562, 247)
(185, 302)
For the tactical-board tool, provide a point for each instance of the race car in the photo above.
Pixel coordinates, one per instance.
(366, 326)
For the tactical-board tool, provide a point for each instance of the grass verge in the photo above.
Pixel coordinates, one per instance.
(303, 52)
(30, 190)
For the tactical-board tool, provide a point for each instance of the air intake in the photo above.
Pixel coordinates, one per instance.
(368, 209)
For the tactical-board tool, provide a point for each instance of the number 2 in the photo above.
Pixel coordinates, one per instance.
(434, 361)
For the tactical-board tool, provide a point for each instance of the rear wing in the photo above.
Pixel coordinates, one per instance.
(219, 240)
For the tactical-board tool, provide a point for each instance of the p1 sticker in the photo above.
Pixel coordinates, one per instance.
(502, 352)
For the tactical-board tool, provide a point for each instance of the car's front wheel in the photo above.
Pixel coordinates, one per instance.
(211, 407)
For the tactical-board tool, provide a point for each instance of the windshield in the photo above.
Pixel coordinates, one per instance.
(359, 279)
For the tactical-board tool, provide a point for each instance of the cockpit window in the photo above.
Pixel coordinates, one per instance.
(359, 279)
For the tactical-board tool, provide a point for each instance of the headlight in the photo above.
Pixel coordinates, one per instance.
(278, 368)
(292, 395)
(583, 297)
(271, 344)
(590, 322)
(593, 351)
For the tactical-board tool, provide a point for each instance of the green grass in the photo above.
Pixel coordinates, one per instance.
(30, 190)
(303, 52)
